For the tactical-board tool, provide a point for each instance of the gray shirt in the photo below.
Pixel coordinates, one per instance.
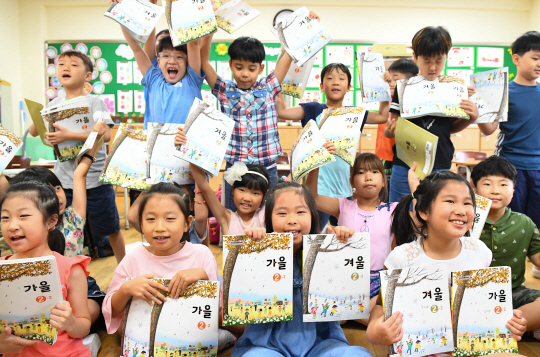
(64, 170)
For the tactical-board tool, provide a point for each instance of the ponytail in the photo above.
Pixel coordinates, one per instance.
(403, 227)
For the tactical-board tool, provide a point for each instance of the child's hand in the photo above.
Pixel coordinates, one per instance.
(100, 127)
(59, 136)
(180, 138)
(13, 344)
(255, 233)
(390, 80)
(314, 16)
(144, 288)
(62, 316)
(469, 108)
(389, 331)
(470, 91)
(342, 233)
(183, 278)
(517, 324)
(329, 145)
(413, 178)
(390, 129)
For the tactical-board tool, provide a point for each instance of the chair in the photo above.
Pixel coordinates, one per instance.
(463, 156)
(19, 162)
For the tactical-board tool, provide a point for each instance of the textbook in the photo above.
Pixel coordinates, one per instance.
(189, 20)
(88, 145)
(162, 164)
(125, 165)
(301, 36)
(308, 152)
(336, 278)
(178, 327)
(234, 14)
(296, 79)
(138, 17)
(416, 144)
(482, 210)
(9, 145)
(439, 97)
(73, 115)
(421, 294)
(343, 127)
(370, 77)
(481, 307)
(257, 279)
(491, 95)
(208, 133)
(30, 289)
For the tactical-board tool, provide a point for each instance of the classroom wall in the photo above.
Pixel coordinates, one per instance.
(26, 25)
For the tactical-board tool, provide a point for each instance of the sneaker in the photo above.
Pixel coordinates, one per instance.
(93, 342)
(535, 272)
(225, 339)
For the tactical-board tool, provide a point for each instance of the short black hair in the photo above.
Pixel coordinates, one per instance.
(254, 181)
(337, 66)
(86, 60)
(404, 66)
(247, 49)
(162, 32)
(431, 41)
(494, 166)
(529, 41)
(37, 174)
(166, 44)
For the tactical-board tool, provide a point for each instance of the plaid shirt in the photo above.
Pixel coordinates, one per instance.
(255, 137)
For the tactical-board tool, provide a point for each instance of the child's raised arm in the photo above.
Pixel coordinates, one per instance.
(325, 204)
(390, 128)
(486, 128)
(292, 113)
(206, 47)
(194, 56)
(201, 214)
(141, 57)
(282, 67)
(150, 45)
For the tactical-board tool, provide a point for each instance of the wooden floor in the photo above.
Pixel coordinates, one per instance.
(102, 270)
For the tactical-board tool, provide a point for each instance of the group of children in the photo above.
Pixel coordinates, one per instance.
(44, 213)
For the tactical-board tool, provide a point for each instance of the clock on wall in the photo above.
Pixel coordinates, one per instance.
(281, 15)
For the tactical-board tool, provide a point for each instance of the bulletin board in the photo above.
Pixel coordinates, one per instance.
(116, 78)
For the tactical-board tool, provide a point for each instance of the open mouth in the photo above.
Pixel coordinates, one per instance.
(66, 75)
(294, 233)
(459, 224)
(245, 206)
(173, 72)
(160, 239)
(16, 239)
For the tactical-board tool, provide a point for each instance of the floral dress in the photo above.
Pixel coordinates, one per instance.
(72, 227)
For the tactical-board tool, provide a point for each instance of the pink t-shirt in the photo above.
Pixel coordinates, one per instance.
(140, 261)
(377, 223)
(237, 226)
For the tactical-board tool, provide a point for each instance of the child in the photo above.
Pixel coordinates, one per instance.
(430, 47)
(73, 70)
(290, 208)
(367, 213)
(29, 214)
(401, 69)
(517, 140)
(334, 178)
(250, 103)
(198, 231)
(249, 187)
(443, 213)
(511, 236)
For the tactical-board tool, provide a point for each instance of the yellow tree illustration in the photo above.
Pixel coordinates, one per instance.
(12, 272)
(247, 246)
(473, 279)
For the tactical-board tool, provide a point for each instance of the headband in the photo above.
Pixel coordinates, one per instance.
(236, 171)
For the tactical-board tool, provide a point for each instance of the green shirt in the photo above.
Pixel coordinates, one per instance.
(511, 239)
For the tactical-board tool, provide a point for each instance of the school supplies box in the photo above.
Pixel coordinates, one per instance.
(491, 95)
(9, 145)
(371, 71)
(208, 133)
(481, 306)
(139, 17)
(439, 97)
(414, 144)
(189, 20)
(187, 325)
(308, 152)
(421, 295)
(30, 289)
(257, 279)
(343, 127)
(336, 278)
(234, 14)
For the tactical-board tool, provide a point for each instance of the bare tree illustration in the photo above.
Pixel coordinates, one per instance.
(121, 135)
(157, 130)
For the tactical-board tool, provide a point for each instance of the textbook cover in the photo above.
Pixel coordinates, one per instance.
(189, 20)
(257, 279)
(491, 95)
(234, 14)
(208, 133)
(371, 71)
(336, 278)
(308, 152)
(9, 145)
(301, 36)
(296, 79)
(481, 307)
(343, 127)
(125, 165)
(162, 164)
(421, 294)
(439, 97)
(482, 210)
(187, 326)
(416, 144)
(138, 17)
(30, 289)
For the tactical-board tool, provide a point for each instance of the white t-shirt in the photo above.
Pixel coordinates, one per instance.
(474, 255)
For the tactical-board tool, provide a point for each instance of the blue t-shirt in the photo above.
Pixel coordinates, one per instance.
(147, 112)
(334, 178)
(171, 103)
(519, 139)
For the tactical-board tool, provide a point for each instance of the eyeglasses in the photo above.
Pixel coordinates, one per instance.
(166, 56)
